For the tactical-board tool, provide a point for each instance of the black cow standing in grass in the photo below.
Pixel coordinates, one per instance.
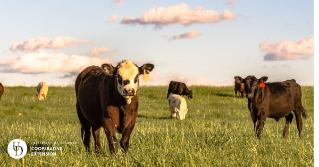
(1, 90)
(240, 87)
(179, 88)
(273, 100)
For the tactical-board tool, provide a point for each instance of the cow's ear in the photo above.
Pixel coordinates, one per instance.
(238, 79)
(147, 67)
(108, 68)
(264, 78)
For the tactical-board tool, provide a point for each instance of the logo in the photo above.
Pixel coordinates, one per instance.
(17, 148)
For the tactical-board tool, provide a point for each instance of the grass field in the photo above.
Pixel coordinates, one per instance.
(217, 131)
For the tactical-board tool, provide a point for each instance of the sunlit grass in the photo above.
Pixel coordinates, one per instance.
(217, 131)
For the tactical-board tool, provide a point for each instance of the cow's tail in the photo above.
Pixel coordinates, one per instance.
(304, 113)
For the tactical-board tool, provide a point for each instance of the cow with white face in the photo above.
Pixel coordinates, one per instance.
(126, 74)
(107, 97)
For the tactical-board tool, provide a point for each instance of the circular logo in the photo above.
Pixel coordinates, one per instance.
(17, 148)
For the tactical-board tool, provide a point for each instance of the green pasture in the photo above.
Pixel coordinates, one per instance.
(217, 131)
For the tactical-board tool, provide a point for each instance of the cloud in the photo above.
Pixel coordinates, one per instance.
(288, 50)
(45, 43)
(113, 18)
(95, 52)
(277, 66)
(178, 14)
(231, 3)
(69, 75)
(158, 78)
(117, 3)
(41, 62)
(187, 35)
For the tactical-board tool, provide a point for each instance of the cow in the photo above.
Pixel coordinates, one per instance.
(108, 69)
(108, 101)
(240, 87)
(273, 100)
(42, 90)
(178, 106)
(1, 90)
(179, 88)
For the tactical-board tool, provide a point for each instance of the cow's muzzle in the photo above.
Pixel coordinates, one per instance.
(249, 95)
(129, 92)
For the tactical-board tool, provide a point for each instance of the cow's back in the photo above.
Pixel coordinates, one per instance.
(89, 87)
(174, 101)
(176, 87)
(282, 97)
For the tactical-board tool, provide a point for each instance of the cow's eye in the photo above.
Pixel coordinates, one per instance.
(136, 79)
(119, 79)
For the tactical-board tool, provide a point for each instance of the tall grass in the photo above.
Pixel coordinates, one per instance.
(217, 131)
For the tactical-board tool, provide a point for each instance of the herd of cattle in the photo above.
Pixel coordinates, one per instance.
(107, 97)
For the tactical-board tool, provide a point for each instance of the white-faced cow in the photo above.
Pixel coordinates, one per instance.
(240, 87)
(273, 100)
(108, 101)
(179, 88)
(178, 106)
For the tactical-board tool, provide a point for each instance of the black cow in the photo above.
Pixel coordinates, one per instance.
(108, 101)
(273, 100)
(179, 88)
(1, 90)
(240, 87)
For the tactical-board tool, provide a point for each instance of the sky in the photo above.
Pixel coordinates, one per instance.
(196, 42)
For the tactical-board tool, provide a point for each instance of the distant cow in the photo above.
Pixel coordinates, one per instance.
(107, 68)
(273, 100)
(108, 101)
(42, 90)
(179, 88)
(240, 87)
(178, 106)
(1, 90)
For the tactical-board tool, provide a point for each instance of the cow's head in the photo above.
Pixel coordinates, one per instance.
(126, 75)
(40, 96)
(190, 94)
(251, 84)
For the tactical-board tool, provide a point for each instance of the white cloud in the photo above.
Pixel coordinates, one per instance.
(45, 43)
(178, 14)
(113, 18)
(187, 35)
(231, 3)
(41, 62)
(117, 3)
(95, 52)
(288, 50)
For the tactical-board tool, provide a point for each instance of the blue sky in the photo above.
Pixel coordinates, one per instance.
(202, 52)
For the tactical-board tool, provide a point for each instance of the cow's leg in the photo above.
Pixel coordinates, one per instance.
(239, 93)
(298, 112)
(288, 121)
(260, 125)
(85, 128)
(110, 129)
(235, 93)
(250, 107)
(167, 94)
(242, 94)
(96, 135)
(125, 141)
